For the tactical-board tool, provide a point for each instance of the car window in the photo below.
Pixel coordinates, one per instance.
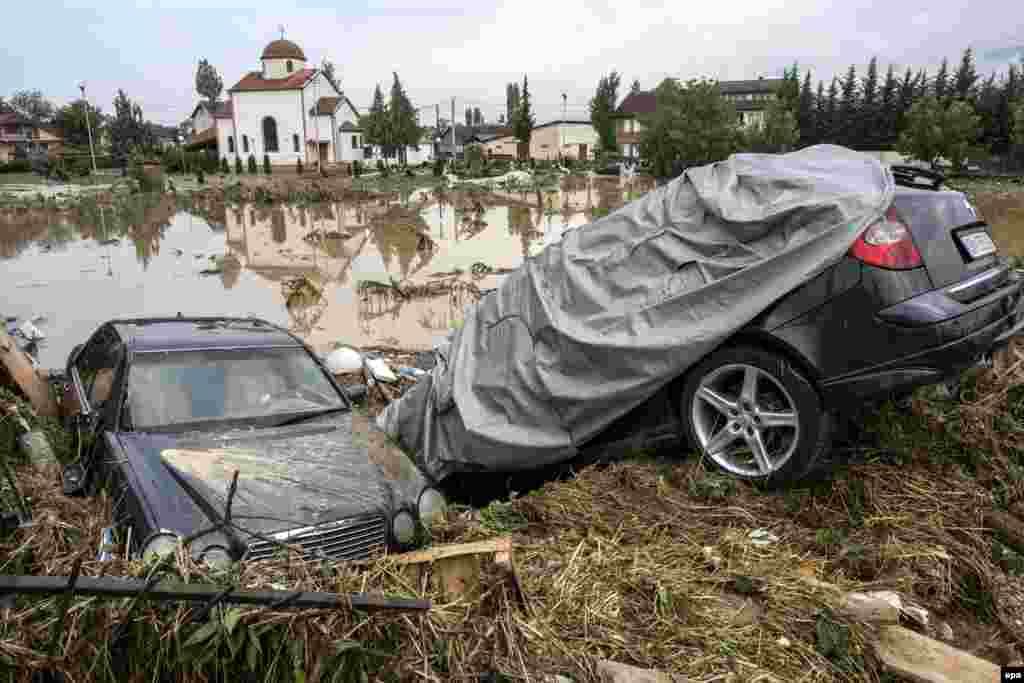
(96, 365)
(177, 387)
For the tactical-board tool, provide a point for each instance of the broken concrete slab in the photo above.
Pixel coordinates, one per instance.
(16, 364)
(876, 606)
(926, 660)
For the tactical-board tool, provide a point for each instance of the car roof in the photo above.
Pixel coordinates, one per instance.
(192, 334)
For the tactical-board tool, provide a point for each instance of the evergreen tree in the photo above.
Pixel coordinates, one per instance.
(904, 100)
(635, 87)
(224, 168)
(869, 109)
(511, 101)
(887, 110)
(602, 107)
(805, 116)
(1009, 95)
(848, 105)
(923, 86)
(208, 82)
(469, 116)
(940, 87)
(789, 92)
(478, 117)
(375, 123)
(266, 164)
(966, 77)
(522, 124)
(820, 115)
(831, 127)
(253, 169)
(987, 106)
(404, 129)
(238, 165)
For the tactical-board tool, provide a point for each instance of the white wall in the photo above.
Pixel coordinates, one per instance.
(223, 132)
(286, 107)
(278, 68)
(347, 151)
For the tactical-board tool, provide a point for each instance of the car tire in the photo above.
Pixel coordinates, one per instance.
(754, 415)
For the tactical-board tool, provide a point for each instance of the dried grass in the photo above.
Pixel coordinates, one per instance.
(648, 562)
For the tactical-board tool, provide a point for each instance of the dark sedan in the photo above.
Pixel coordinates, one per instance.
(177, 406)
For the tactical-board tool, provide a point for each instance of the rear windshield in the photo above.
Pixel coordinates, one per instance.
(944, 209)
(180, 387)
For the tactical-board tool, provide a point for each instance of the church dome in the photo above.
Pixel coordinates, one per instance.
(283, 49)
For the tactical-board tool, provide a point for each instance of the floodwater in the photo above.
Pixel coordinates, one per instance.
(299, 267)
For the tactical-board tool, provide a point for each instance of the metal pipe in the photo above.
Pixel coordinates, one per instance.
(113, 587)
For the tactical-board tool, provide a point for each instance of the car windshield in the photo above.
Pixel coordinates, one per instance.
(181, 387)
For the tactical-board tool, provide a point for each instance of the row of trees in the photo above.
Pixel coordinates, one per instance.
(392, 124)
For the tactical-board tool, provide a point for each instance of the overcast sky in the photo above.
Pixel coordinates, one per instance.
(440, 51)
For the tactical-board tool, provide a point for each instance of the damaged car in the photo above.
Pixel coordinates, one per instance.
(744, 304)
(177, 406)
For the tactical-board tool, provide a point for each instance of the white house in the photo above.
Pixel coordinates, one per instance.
(286, 111)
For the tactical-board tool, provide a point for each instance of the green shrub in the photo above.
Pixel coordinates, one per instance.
(224, 168)
(381, 168)
(238, 165)
(298, 166)
(357, 168)
(266, 164)
(253, 169)
(438, 168)
(16, 166)
(200, 176)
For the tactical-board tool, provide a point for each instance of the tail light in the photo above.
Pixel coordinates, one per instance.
(887, 243)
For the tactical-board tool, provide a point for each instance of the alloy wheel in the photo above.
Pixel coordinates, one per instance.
(745, 420)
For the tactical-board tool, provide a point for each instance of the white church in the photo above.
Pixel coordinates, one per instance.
(287, 110)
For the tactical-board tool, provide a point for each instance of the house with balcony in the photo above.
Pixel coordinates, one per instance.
(750, 97)
(19, 136)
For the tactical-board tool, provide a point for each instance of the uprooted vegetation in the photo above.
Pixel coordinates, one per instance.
(654, 561)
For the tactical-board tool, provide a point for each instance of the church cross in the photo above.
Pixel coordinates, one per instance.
(280, 27)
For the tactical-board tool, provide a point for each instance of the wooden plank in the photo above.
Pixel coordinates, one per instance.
(926, 660)
(490, 546)
(19, 367)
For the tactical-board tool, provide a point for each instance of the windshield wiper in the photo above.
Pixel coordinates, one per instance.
(302, 417)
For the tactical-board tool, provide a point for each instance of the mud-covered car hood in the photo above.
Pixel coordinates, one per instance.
(318, 471)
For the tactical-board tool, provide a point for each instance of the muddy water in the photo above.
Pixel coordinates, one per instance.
(151, 261)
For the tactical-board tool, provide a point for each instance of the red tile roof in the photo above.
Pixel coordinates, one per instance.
(638, 103)
(283, 49)
(254, 81)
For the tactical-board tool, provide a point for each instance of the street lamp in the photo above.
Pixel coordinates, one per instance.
(88, 126)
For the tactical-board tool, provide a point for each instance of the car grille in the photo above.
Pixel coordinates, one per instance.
(346, 539)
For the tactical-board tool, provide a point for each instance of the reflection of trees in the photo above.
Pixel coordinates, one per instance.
(18, 230)
(278, 230)
(520, 222)
(401, 233)
(231, 269)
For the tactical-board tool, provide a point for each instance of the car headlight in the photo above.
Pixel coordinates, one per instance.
(216, 556)
(159, 545)
(432, 506)
(403, 527)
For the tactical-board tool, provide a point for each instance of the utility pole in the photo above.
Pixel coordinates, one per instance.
(88, 127)
(453, 129)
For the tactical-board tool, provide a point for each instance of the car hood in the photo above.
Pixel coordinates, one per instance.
(321, 470)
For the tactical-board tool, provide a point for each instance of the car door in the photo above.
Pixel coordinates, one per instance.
(94, 378)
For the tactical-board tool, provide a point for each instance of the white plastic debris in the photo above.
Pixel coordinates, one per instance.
(378, 367)
(30, 331)
(407, 371)
(762, 537)
(343, 360)
(783, 641)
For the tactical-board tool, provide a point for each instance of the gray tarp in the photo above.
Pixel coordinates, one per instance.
(594, 325)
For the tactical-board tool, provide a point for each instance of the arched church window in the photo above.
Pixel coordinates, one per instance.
(269, 134)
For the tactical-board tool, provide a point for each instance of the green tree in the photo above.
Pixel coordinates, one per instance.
(691, 123)
(820, 115)
(511, 101)
(469, 116)
(868, 111)
(806, 114)
(935, 131)
(923, 85)
(266, 164)
(904, 100)
(208, 82)
(127, 130)
(634, 88)
(522, 124)
(987, 106)
(966, 77)
(478, 117)
(224, 168)
(832, 127)
(1009, 95)
(404, 128)
(375, 123)
(848, 110)
(602, 109)
(887, 109)
(940, 86)
(1017, 129)
(328, 69)
(253, 168)
(779, 131)
(32, 105)
(71, 119)
(238, 164)
(789, 91)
